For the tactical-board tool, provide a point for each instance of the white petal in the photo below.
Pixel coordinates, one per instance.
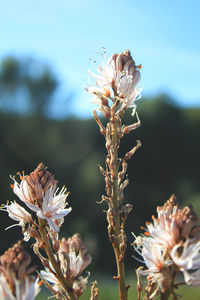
(52, 225)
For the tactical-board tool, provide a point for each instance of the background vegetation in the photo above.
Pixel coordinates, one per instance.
(72, 148)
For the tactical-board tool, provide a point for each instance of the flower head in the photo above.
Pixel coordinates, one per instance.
(32, 187)
(38, 191)
(73, 256)
(116, 80)
(53, 208)
(152, 254)
(172, 224)
(73, 259)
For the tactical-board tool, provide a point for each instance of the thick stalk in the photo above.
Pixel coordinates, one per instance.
(123, 290)
(54, 263)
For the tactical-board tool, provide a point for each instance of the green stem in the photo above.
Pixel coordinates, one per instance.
(56, 265)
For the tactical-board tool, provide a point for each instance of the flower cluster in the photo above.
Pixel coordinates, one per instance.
(40, 194)
(117, 80)
(171, 243)
(16, 283)
(73, 259)
(64, 261)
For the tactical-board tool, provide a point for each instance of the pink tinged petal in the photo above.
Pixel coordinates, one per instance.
(32, 207)
(18, 213)
(79, 264)
(18, 191)
(52, 225)
(47, 199)
(61, 214)
(72, 259)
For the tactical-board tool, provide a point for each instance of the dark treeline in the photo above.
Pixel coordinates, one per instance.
(168, 162)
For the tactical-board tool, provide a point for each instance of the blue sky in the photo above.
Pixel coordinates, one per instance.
(164, 36)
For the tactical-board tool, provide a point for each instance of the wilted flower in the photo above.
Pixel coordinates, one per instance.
(15, 280)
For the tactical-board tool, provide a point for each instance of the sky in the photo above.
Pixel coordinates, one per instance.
(163, 36)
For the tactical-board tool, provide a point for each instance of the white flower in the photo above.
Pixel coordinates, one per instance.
(189, 258)
(73, 256)
(38, 192)
(152, 254)
(17, 213)
(23, 191)
(117, 80)
(164, 229)
(53, 207)
(107, 74)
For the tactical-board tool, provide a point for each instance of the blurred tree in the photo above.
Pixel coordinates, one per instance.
(27, 86)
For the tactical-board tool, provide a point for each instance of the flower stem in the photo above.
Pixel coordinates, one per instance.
(114, 169)
(55, 264)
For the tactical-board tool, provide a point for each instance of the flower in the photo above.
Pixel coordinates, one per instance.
(38, 191)
(117, 80)
(73, 256)
(15, 280)
(152, 254)
(172, 224)
(53, 207)
(17, 213)
(34, 186)
(187, 256)
(73, 259)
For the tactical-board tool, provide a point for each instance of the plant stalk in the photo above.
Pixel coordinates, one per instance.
(56, 265)
(114, 169)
